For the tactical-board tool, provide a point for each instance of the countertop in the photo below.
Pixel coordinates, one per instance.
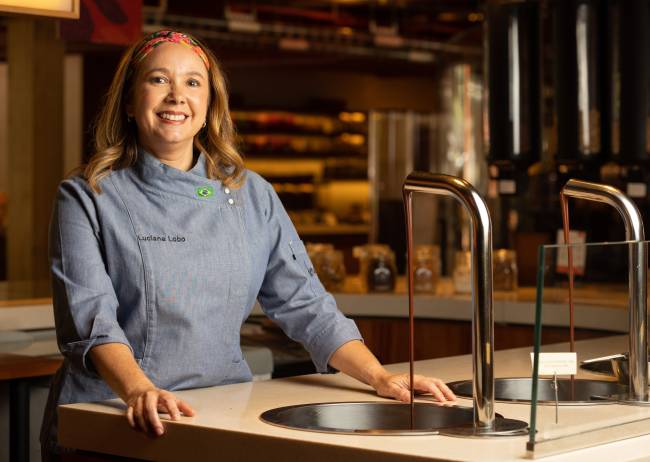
(602, 309)
(28, 354)
(228, 427)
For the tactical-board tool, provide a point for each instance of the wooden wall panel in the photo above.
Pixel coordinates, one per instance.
(35, 141)
(387, 338)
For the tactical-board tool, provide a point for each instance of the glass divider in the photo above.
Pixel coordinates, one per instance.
(536, 345)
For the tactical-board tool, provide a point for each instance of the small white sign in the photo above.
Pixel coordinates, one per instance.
(556, 363)
(637, 190)
(579, 252)
(507, 186)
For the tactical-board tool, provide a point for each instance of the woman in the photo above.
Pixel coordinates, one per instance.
(161, 246)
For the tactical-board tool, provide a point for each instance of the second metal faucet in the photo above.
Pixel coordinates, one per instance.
(637, 273)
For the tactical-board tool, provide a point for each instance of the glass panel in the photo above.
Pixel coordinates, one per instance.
(594, 406)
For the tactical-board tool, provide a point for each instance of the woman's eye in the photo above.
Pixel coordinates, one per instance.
(157, 79)
(193, 83)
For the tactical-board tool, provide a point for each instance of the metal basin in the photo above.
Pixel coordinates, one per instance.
(602, 365)
(613, 366)
(370, 418)
(520, 389)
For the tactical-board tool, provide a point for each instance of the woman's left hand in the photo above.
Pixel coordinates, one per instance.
(397, 386)
(356, 360)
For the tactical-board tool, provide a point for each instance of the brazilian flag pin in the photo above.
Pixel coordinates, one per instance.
(205, 191)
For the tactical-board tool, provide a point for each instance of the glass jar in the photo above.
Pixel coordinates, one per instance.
(426, 268)
(316, 249)
(331, 270)
(462, 275)
(505, 269)
(377, 263)
(329, 265)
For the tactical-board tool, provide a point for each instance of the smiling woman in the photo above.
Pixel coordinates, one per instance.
(160, 247)
(170, 84)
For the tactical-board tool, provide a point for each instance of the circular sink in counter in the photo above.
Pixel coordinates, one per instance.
(519, 389)
(372, 418)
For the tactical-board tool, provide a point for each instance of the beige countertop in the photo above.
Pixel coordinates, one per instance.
(37, 314)
(227, 426)
(603, 309)
(459, 308)
(26, 315)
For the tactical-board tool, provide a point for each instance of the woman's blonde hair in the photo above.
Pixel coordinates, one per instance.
(116, 136)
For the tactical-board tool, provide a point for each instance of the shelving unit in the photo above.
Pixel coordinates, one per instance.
(318, 165)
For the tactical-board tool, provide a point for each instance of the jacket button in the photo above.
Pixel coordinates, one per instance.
(230, 201)
(226, 190)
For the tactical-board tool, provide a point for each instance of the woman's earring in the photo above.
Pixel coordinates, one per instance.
(204, 124)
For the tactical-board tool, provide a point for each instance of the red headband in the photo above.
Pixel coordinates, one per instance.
(163, 36)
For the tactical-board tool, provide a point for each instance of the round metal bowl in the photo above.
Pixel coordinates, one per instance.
(519, 389)
(613, 366)
(370, 418)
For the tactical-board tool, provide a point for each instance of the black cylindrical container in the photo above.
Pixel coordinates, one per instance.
(580, 57)
(513, 141)
(634, 74)
(513, 81)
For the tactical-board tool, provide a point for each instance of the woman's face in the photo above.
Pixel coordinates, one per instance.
(170, 99)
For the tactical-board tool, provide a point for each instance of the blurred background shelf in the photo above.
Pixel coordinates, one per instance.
(322, 230)
(318, 165)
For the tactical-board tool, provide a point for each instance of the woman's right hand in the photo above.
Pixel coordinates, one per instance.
(144, 406)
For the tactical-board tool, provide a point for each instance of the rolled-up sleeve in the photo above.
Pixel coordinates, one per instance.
(85, 303)
(293, 297)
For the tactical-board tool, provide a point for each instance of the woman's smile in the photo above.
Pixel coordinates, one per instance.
(172, 117)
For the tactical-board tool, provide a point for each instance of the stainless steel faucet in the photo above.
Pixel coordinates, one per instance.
(481, 247)
(637, 270)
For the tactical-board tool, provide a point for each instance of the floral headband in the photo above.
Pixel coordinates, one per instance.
(167, 36)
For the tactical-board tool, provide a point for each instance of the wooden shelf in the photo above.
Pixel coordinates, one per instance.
(316, 230)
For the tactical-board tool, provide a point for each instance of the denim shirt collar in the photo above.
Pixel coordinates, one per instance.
(193, 183)
(150, 161)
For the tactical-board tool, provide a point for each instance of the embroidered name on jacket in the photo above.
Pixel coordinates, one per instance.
(151, 237)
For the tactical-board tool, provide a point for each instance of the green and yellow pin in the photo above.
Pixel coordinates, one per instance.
(205, 191)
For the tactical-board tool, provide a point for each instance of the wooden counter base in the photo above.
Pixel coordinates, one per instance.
(387, 338)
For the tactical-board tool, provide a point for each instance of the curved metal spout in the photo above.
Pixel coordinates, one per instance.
(481, 247)
(609, 195)
(637, 268)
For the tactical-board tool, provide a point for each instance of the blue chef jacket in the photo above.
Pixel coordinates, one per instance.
(170, 263)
